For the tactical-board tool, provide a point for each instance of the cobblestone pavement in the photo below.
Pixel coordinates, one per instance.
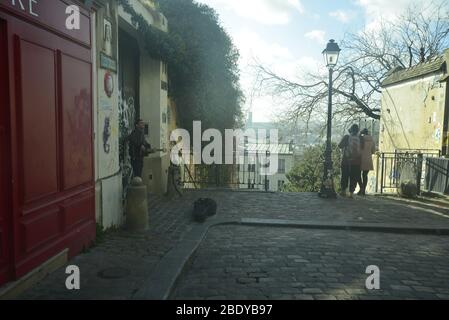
(136, 255)
(267, 263)
(308, 206)
(132, 256)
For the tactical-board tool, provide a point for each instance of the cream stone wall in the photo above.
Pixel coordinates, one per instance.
(413, 115)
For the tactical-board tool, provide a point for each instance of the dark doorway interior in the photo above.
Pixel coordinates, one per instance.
(129, 70)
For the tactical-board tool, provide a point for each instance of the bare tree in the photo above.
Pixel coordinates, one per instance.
(422, 32)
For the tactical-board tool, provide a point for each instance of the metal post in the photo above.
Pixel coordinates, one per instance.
(267, 153)
(377, 173)
(327, 185)
(419, 173)
(446, 186)
(382, 174)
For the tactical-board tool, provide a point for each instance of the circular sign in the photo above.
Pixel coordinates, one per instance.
(108, 84)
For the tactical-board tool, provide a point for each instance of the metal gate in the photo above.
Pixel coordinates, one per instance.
(392, 167)
(248, 175)
(437, 175)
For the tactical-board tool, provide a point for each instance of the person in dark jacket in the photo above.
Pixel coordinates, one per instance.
(350, 162)
(138, 147)
(368, 148)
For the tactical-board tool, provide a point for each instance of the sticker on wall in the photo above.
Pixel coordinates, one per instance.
(108, 84)
(438, 134)
(106, 135)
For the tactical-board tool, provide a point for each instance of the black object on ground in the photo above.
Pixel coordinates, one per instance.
(204, 208)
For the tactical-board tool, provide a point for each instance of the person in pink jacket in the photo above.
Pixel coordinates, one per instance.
(367, 149)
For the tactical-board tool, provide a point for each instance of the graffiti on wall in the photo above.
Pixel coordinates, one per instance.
(108, 129)
(127, 115)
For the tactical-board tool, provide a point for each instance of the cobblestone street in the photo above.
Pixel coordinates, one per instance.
(260, 262)
(267, 263)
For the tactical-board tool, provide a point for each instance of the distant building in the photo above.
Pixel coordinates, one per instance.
(251, 172)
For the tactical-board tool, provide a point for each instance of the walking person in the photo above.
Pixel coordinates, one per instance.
(351, 161)
(138, 146)
(367, 149)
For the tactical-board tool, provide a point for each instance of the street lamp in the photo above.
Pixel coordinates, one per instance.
(331, 54)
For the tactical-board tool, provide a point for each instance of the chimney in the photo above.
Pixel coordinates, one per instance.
(250, 118)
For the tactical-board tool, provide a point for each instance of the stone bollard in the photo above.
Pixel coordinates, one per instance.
(174, 185)
(137, 206)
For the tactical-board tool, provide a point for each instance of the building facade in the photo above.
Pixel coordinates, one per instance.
(414, 118)
(252, 171)
(47, 168)
(68, 99)
(130, 85)
(415, 107)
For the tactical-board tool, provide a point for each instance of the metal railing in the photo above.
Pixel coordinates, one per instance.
(394, 167)
(437, 175)
(247, 175)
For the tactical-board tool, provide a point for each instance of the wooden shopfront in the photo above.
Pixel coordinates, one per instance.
(46, 134)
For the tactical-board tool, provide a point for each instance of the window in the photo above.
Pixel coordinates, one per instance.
(281, 168)
(251, 168)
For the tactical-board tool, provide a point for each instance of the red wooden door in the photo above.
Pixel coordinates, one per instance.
(5, 168)
(50, 91)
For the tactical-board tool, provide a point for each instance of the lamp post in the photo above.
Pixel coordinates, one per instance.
(331, 54)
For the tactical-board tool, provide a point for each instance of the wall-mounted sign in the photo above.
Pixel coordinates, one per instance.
(26, 6)
(107, 37)
(107, 62)
(52, 13)
(108, 84)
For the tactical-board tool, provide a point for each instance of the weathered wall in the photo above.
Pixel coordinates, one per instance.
(109, 210)
(153, 101)
(413, 115)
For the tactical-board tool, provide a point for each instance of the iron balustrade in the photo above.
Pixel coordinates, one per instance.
(392, 166)
(437, 175)
(248, 175)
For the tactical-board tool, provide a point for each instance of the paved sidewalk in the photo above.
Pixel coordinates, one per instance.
(119, 267)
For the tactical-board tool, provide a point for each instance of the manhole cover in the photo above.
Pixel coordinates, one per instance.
(114, 273)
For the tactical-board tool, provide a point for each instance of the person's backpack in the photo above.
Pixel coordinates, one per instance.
(352, 150)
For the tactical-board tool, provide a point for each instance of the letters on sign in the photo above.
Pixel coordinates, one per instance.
(28, 6)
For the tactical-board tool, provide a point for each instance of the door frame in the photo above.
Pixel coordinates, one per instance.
(6, 273)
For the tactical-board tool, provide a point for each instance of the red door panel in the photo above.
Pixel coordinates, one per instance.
(77, 132)
(50, 112)
(5, 178)
(38, 120)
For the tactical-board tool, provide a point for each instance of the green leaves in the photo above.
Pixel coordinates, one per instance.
(307, 173)
(202, 62)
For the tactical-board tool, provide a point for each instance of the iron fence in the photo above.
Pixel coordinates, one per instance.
(393, 168)
(437, 175)
(248, 175)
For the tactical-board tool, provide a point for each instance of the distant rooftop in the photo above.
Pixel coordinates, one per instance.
(272, 148)
(435, 65)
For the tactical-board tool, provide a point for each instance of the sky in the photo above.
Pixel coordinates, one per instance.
(288, 36)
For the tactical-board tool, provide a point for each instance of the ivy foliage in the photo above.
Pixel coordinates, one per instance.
(202, 63)
(307, 173)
